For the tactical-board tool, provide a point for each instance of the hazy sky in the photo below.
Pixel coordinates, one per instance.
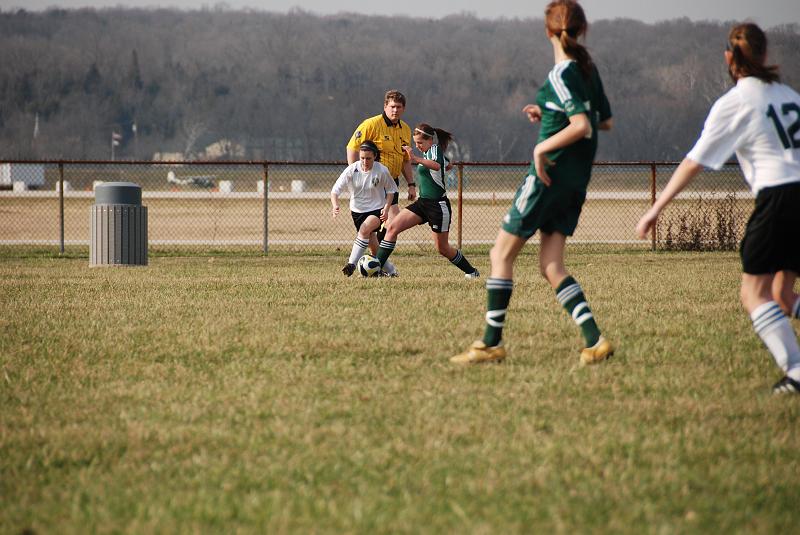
(764, 12)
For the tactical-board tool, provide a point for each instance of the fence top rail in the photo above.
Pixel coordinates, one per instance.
(320, 163)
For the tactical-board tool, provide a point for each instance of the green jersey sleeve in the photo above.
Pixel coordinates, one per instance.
(570, 89)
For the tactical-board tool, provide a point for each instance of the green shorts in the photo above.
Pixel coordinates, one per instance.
(549, 209)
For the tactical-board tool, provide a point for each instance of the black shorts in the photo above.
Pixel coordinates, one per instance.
(435, 212)
(360, 217)
(771, 240)
(396, 198)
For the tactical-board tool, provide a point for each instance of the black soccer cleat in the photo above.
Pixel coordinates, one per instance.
(787, 385)
(348, 269)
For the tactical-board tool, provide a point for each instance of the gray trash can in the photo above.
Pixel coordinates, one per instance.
(119, 226)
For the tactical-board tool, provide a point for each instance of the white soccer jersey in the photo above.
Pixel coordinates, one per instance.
(368, 189)
(760, 122)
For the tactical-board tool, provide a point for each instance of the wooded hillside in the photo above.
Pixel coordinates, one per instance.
(294, 86)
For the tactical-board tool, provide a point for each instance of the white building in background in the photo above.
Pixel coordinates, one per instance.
(224, 148)
(30, 174)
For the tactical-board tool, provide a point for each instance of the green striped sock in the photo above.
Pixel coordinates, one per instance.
(570, 295)
(498, 293)
(384, 250)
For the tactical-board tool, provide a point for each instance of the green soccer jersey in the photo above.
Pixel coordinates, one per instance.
(430, 182)
(565, 93)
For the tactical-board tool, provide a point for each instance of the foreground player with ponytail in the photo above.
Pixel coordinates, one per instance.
(759, 120)
(571, 106)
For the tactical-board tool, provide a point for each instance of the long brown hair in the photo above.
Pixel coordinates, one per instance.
(443, 136)
(566, 20)
(748, 45)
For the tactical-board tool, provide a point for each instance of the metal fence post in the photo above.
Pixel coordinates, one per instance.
(653, 201)
(460, 201)
(61, 204)
(266, 208)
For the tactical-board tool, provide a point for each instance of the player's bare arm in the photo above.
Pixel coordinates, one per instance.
(579, 127)
(414, 159)
(408, 174)
(685, 173)
(385, 210)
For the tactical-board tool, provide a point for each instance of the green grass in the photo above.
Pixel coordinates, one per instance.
(273, 395)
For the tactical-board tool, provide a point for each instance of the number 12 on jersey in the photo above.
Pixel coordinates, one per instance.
(788, 137)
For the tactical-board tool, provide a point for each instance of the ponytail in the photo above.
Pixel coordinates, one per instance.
(443, 137)
(578, 52)
(748, 46)
(566, 20)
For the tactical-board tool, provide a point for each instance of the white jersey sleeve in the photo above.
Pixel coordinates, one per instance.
(723, 132)
(341, 183)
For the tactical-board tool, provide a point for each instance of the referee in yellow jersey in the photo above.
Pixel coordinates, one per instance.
(390, 134)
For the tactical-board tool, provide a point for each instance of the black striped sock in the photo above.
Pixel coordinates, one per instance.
(461, 262)
(384, 250)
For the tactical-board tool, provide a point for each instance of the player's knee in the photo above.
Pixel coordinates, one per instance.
(391, 231)
(368, 227)
(445, 250)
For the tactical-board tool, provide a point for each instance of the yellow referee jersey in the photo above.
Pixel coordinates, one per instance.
(388, 137)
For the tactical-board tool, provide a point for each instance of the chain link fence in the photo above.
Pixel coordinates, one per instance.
(205, 207)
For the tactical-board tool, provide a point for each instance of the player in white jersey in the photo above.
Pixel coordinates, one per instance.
(759, 120)
(372, 191)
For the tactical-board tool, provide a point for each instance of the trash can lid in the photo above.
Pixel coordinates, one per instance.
(118, 193)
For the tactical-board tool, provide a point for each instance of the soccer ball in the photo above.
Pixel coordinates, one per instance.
(369, 266)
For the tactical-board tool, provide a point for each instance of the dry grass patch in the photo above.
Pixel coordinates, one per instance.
(272, 394)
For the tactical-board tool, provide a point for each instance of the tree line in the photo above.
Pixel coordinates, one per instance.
(77, 84)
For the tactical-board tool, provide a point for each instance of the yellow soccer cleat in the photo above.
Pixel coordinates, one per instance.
(479, 353)
(597, 353)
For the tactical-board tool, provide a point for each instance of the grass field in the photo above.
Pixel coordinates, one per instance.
(273, 395)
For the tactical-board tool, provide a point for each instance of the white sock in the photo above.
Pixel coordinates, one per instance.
(796, 308)
(774, 328)
(389, 268)
(359, 246)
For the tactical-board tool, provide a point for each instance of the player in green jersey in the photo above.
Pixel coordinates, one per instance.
(432, 206)
(572, 107)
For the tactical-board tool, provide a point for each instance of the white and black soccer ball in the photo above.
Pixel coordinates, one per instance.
(369, 266)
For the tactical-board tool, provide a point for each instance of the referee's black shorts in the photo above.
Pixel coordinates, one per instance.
(396, 198)
(771, 240)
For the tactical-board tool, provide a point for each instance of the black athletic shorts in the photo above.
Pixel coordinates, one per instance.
(771, 240)
(435, 212)
(396, 198)
(360, 217)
